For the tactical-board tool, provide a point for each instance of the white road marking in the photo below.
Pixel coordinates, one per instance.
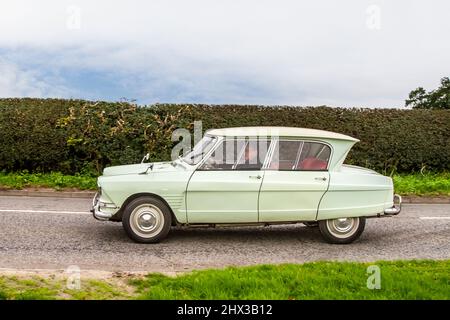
(434, 218)
(44, 211)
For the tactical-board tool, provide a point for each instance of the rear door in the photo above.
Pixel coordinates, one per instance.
(294, 182)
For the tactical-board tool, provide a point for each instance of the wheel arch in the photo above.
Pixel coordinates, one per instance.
(119, 214)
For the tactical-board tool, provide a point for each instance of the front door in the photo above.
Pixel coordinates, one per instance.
(295, 181)
(225, 188)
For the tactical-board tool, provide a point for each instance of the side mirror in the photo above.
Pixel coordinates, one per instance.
(145, 158)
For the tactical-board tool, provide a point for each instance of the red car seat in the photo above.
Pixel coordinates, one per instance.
(312, 164)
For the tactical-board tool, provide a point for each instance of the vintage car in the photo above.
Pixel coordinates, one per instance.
(251, 176)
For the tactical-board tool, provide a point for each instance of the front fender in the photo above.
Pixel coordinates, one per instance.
(170, 186)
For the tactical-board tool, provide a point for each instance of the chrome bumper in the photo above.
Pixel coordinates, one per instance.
(97, 207)
(396, 208)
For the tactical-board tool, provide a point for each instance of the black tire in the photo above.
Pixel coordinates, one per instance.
(330, 232)
(144, 213)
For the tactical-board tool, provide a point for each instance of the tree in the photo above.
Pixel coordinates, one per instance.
(434, 99)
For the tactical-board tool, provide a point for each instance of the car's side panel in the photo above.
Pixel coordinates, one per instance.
(291, 195)
(223, 196)
(354, 194)
(171, 186)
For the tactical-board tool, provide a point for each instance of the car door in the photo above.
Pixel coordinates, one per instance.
(295, 180)
(225, 187)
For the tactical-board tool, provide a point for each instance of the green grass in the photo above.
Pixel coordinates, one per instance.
(319, 280)
(54, 180)
(39, 288)
(414, 279)
(97, 290)
(34, 288)
(430, 184)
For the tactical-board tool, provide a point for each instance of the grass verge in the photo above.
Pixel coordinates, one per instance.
(430, 184)
(54, 180)
(40, 288)
(415, 279)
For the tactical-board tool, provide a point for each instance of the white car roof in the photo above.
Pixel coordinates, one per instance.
(278, 131)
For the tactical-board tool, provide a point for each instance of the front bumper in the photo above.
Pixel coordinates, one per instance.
(396, 208)
(102, 210)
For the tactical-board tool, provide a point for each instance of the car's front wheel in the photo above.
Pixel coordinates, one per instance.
(147, 219)
(342, 230)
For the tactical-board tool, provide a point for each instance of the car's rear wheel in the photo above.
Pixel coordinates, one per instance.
(342, 230)
(147, 219)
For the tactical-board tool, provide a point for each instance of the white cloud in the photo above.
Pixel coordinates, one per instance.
(269, 52)
(16, 82)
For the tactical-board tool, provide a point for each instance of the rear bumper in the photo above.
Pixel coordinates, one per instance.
(396, 208)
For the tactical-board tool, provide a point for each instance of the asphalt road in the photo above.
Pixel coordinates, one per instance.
(54, 233)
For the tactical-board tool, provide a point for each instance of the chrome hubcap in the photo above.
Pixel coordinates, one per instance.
(147, 220)
(343, 227)
(343, 224)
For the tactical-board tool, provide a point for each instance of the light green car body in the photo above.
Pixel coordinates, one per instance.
(241, 196)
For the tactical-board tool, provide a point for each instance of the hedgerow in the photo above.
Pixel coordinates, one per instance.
(77, 136)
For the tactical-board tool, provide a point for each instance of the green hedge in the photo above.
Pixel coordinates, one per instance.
(42, 135)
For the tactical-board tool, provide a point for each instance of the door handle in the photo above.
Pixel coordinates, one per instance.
(320, 178)
(255, 177)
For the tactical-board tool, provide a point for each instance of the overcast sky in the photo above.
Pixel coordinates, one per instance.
(342, 53)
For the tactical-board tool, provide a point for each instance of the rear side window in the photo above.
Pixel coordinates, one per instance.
(300, 156)
(315, 157)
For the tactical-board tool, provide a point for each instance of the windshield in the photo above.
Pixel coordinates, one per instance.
(200, 149)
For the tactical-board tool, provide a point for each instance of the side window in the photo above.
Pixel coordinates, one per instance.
(224, 156)
(300, 156)
(237, 154)
(253, 156)
(285, 155)
(314, 156)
